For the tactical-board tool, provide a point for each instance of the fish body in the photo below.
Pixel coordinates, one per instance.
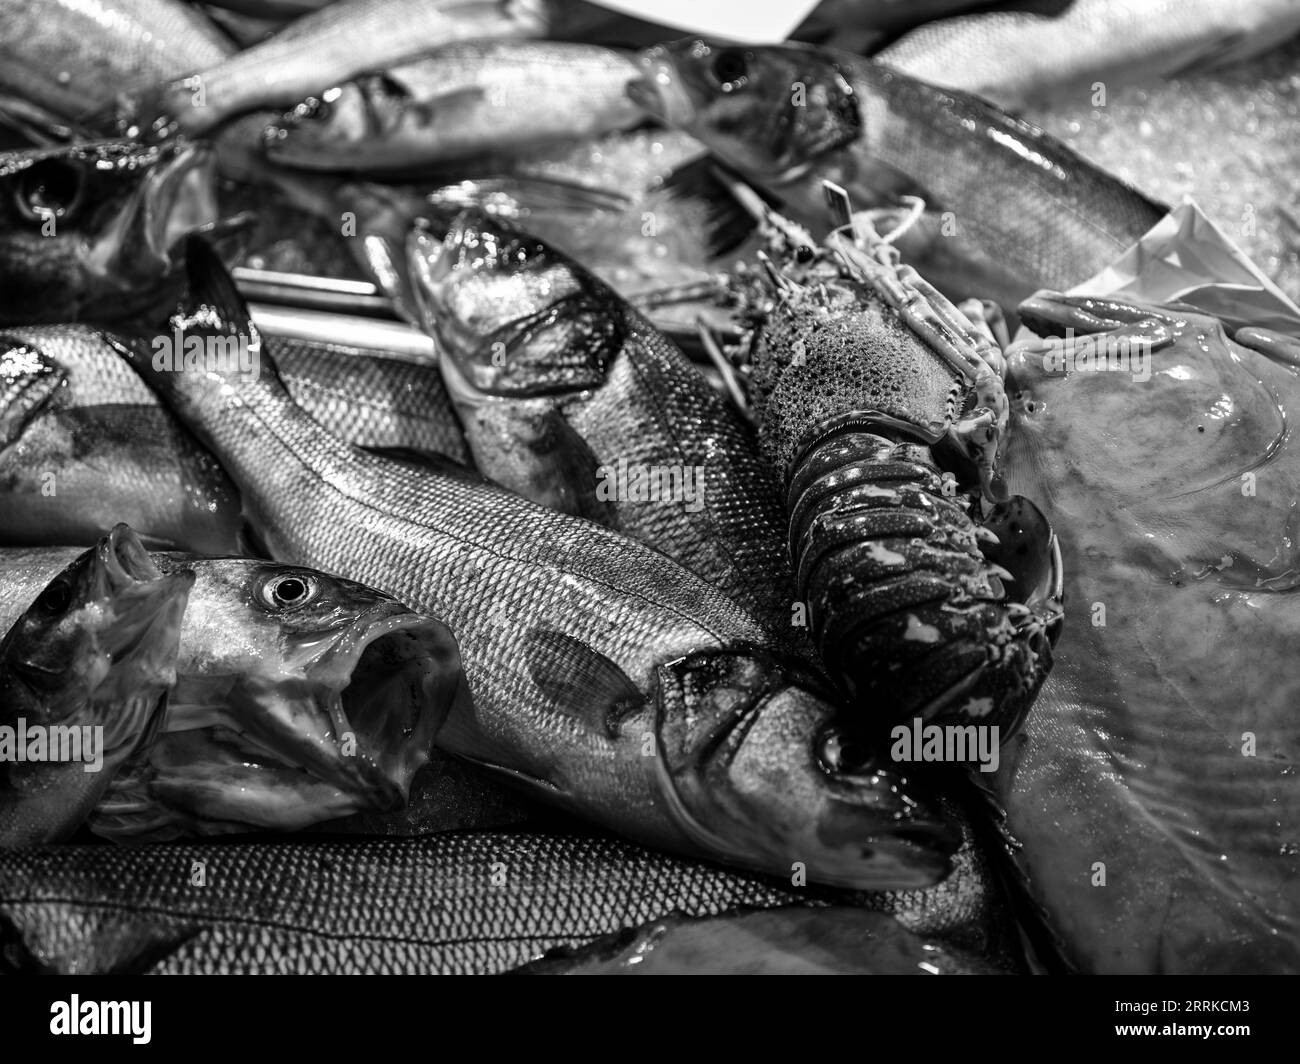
(87, 231)
(64, 60)
(98, 446)
(573, 399)
(299, 698)
(1160, 757)
(1020, 59)
(469, 99)
(1010, 209)
(603, 676)
(450, 903)
(84, 674)
(320, 50)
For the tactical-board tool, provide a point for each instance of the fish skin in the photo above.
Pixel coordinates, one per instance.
(1134, 756)
(583, 382)
(247, 741)
(1018, 211)
(94, 647)
(1020, 59)
(794, 940)
(430, 904)
(106, 252)
(312, 54)
(582, 648)
(67, 59)
(464, 100)
(114, 451)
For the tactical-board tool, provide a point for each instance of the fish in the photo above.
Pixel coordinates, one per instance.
(571, 398)
(63, 61)
(460, 902)
(1154, 790)
(604, 678)
(464, 100)
(85, 669)
(1021, 59)
(299, 698)
(1017, 210)
(316, 52)
(793, 940)
(88, 231)
(87, 442)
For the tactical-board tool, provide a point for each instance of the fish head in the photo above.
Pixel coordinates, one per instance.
(97, 649)
(94, 230)
(771, 111)
(104, 630)
(758, 770)
(516, 316)
(303, 697)
(347, 121)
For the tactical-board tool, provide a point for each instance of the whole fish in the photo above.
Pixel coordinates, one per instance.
(1010, 209)
(1026, 58)
(1155, 788)
(794, 940)
(61, 61)
(464, 100)
(299, 698)
(314, 53)
(603, 676)
(457, 902)
(572, 399)
(88, 230)
(98, 445)
(84, 675)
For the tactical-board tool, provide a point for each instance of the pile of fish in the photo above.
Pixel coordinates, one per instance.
(559, 499)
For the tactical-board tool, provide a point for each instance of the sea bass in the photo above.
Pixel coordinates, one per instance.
(465, 100)
(84, 675)
(63, 60)
(87, 231)
(1009, 208)
(84, 442)
(603, 676)
(1019, 59)
(313, 53)
(572, 399)
(1154, 788)
(299, 698)
(458, 902)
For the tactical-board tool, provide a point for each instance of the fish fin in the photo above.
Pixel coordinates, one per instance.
(425, 459)
(212, 288)
(31, 381)
(727, 223)
(581, 681)
(575, 464)
(516, 776)
(450, 107)
(526, 192)
(250, 542)
(38, 127)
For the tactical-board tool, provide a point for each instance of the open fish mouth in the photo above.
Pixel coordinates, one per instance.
(176, 197)
(755, 768)
(340, 726)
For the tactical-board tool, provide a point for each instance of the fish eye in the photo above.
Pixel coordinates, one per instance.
(288, 592)
(55, 598)
(730, 68)
(841, 754)
(48, 189)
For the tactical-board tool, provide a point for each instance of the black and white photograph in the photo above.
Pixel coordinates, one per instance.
(725, 487)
